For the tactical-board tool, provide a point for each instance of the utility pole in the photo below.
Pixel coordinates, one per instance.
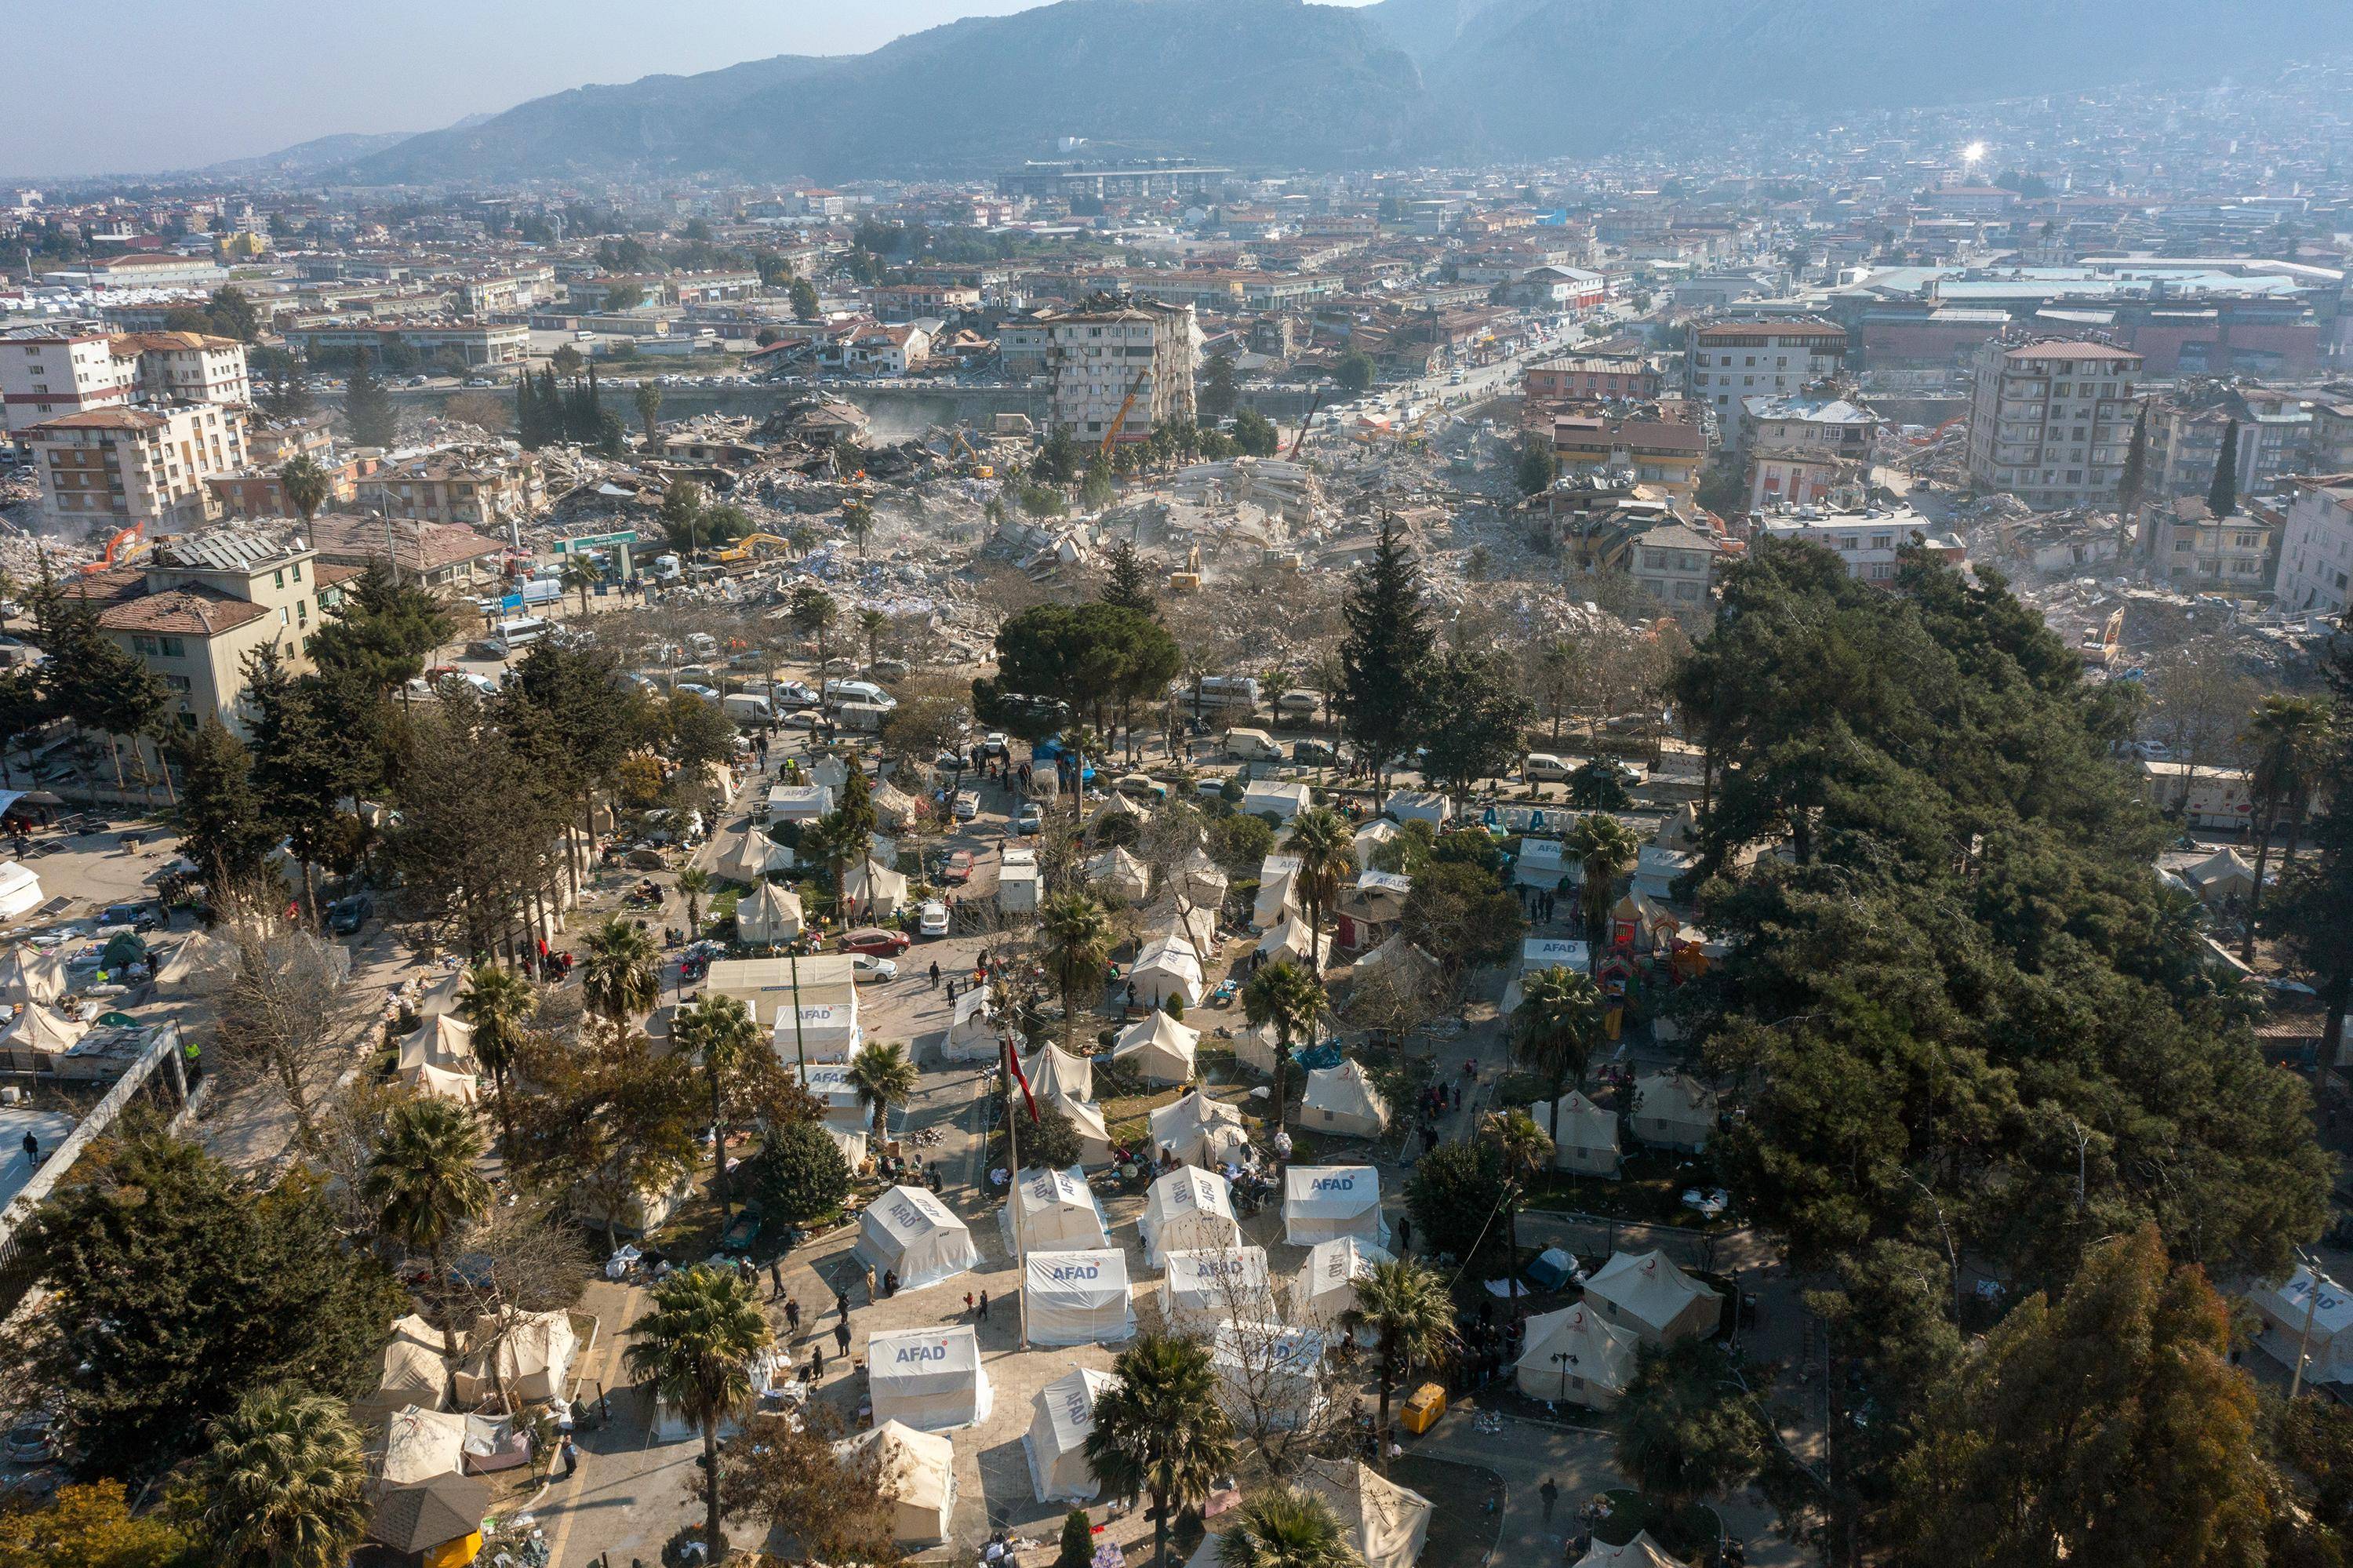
(2304, 1338)
(1005, 1079)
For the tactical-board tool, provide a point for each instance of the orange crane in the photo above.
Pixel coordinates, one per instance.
(115, 548)
(1300, 440)
(1119, 419)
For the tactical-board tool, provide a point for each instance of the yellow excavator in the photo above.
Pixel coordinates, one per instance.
(751, 546)
(1189, 579)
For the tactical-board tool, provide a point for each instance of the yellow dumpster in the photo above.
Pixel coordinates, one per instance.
(1423, 1406)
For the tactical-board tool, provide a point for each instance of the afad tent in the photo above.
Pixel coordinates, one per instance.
(768, 917)
(1672, 1111)
(1254, 1047)
(1157, 1048)
(1058, 1212)
(1188, 1210)
(1647, 1293)
(206, 965)
(1342, 1101)
(829, 1082)
(419, 1444)
(29, 974)
(1199, 1290)
(1269, 1374)
(1201, 1131)
(912, 1233)
(20, 890)
(1118, 877)
(1639, 1552)
(2287, 1307)
(1168, 966)
(411, 1371)
(818, 1031)
(527, 1354)
(916, 1470)
(751, 858)
(444, 1041)
(1326, 1286)
(971, 1029)
(1574, 1356)
(1078, 1297)
(1056, 1441)
(929, 1378)
(36, 1028)
(1278, 891)
(1292, 942)
(1386, 1523)
(1584, 1136)
(1323, 1202)
(1055, 1073)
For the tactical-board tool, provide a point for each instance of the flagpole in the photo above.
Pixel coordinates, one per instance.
(1013, 1183)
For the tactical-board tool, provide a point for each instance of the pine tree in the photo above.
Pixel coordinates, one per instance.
(2129, 484)
(221, 823)
(1388, 638)
(526, 414)
(367, 408)
(2222, 495)
(1127, 582)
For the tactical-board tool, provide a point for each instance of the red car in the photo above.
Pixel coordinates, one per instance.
(958, 868)
(876, 941)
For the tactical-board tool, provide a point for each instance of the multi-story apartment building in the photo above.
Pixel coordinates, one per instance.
(2050, 421)
(1802, 449)
(1868, 543)
(2272, 434)
(2184, 544)
(476, 343)
(476, 487)
(1137, 356)
(1727, 361)
(1584, 376)
(111, 468)
(48, 374)
(1656, 448)
(2315, 562)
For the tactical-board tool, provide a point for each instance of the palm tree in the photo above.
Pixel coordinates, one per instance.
(1527, 1149)
(498, 1002)
(1406, 1304)
(1327, 858)
(827, 842)
(422, 1183)
(696, 1347)
(1554, 1027)
(578, 576)
(1287, 1528)
(814, 613)
(1160, 1429)
(1291, 1000)
(1606, 850)
(282, 1483)
(648, 399)
(883, 1078)
(619, 976)
(721, 1031)
(306, 486)
(694, 882)
(1078, 940)
(873, 623)
(2289, 739)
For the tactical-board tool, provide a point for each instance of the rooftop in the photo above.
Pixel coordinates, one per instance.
(183, 611)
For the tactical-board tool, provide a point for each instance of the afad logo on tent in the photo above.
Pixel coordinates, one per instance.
(1059, 1271)
(932, 1353)
(1333, 1184)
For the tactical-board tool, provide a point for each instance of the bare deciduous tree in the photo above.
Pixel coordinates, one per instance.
(287, 1017)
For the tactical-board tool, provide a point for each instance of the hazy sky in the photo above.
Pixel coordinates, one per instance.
(140, 85)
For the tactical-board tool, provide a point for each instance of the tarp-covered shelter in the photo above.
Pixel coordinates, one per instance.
(929, 1378)
(420, 1443)
(1078, 1297)
(1578, 1356)
(411, 1370)
(912, 1233)
(1201, 1131)
(205, 965)
(1584, 1135)
(526, 1354)
(1342, 1101)
(445, 1041)
(36, 1028)
(1058, 1212)
(1188, 1210)
(916, 1470)
(1639, 1552)
(1199, 1290)
(1647, 1293)
(1323, 1202)
(1386, 1523)
(1158, 1048)
(1056, 1443)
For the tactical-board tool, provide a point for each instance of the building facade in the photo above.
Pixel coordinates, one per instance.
(49, 375)
(1586, 375)
(2050, 421)
(1135, 357)
(1728, 361)
(2183, 544)
(113, 468)
(2315, 562)
(476, 343)
(1868, 543)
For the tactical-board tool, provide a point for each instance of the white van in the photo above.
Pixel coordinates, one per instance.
(522, 631)
(1544, 768)
(865, 692)
(703, 645)
(747, 710)
(1252, 746)
(862, 719)
(1229, 693)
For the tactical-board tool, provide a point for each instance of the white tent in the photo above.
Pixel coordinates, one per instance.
(1386, 1523)
(1278, 892)
(205, 965)
(1584, 1136)
(971, 1029)
(912, 1233)
(1200, 1131)
(827, 1031)
(1094, 1136)
(444, 1041)
(1647, 1293)
(1168, 966)
(1326, 1286)
(1639, 1552)
(36, 1028)
(1119, 877)
(1058, 1211)
(829, 1083)
(1672, 1111)
(1188, 1209)
(929, 1378)
(893, 807)
(1056, 1441)
(1342, 1101)
(1055, 1073)
(917, 1471)
(1542, 863)
(768, 917)
(1322, 1203)
(1200, 880)
(1271, 798)
(2221, 875)
(432, 1083)
(753, 857)
(528, 1354)
(447, 994)
(29, 974)
(2286, 1309)
(419, 1444)
(1199, 1290)
(1577, 1356)
(1269, 1373)
(1157, 1047)
(872, 890)
(1079, 1297)
(1370, 837)
(1291, 942)
(20, 890)
(1419, 806)
(829, 772)
(412, 1372)
(851, 1144)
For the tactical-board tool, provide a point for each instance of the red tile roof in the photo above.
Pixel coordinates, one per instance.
(190, 611)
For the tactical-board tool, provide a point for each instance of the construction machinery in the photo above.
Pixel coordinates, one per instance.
(1119, 420)
(1300, 440)
(1189, 579)
(751, 546)
(119, 549)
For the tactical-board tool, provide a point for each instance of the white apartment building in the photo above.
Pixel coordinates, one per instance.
(1725, 363)
(2315, 566)
(1867, 543)
(108, 468)
(46, 376)
(2050, 422)
(1098, 358)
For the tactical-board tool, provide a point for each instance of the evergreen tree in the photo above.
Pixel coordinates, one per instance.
(2309, 909)
(528, 433)
(367, 408)
(221, 824)
(1388, 640)
(1219, 393)
(2222, 495)
(1127, 582)
(303, 763)
(2135, 473)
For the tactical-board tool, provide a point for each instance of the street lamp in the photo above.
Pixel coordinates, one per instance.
(1562, 1361)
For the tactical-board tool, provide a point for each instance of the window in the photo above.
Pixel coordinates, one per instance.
(175, 648)
(143, 645)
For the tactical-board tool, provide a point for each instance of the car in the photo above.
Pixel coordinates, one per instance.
(1030, 819)
(876, 942)
(994, 743)
(1211, 786)
(138, 916)
(802, 718)
(957, 869)
(932, 920)
(346, 915)
(1140, 787)
(950, 762)
(32, 1441)
(967, 805)
(696, 689)
(487, 648)
(865, 967)
(1322, 752)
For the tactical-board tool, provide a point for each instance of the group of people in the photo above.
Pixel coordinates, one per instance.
(1489, 1347)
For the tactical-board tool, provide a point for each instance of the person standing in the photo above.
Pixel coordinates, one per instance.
(984, 1306)
(841, 1337)
(571, 1452)
(793, 1315)
(1550, 1492)
(841, 1304)
(776, 1279)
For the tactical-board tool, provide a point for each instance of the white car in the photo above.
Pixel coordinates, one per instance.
(967, 805)
(866, 967)
(689, 689)
(933, 919)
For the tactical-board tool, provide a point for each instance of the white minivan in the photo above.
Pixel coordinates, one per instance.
(1252, 746)
(1544, 768)
(865, 692)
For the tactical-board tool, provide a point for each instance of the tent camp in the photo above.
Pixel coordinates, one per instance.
(1291, 942)
(929, 1378)
(1094, 1135)
(447, 994)
(432, 1083)
(1278, 892)
(1168, 966)
(1118, 877)
(1672, 1111)
(1078, 1297)
(1056, 1441)
(1386, 1523)
(1054, 1074)
(1323, 1202)
(2285, 1308)
(1058, 1212)
(1326, 1286)
(29, 974)
(1269, 1374)
(829, 1083)
(768, 917)
(443, 1041)
(1584, 1136)
(917, 1471)
(206, 965)
(752, 856)
(410, 1370)
(1199, 1290)
(1158, 1048)
(1342, 1101)
(527, 1354)
(1188, 1210)
(971, 1029)
(1201, 1132)
(36, 1028)
(1575, 1356)
(874, 890)
(1647, 1293)
(1639, 1552)
(819, 1032)
(912, 1234)
(419, 1444)
(2225, 874)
